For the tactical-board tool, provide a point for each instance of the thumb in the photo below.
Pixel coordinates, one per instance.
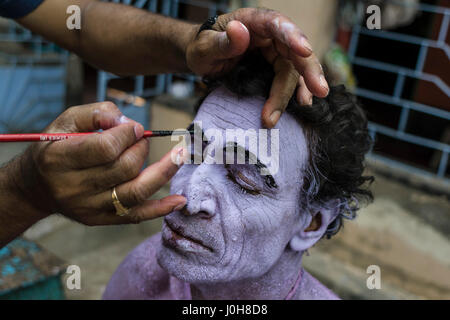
(231, 43)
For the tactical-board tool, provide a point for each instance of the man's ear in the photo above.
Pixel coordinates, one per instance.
(313, 228)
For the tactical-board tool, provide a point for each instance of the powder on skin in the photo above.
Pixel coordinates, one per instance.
(228, 243)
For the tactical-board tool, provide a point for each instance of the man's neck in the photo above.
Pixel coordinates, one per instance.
(275, 284)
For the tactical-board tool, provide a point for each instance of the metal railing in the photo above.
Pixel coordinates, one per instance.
(396, 99)
(32, 79)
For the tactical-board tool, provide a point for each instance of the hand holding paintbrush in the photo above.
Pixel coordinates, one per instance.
(93, 177)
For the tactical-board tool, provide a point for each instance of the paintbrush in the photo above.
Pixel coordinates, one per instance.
(27, 137)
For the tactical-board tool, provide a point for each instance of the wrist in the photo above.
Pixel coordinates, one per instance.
(17, 211)
(189, 38)
(26, 186)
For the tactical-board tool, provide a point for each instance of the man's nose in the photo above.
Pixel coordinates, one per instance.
(204, 209)
(200, 197)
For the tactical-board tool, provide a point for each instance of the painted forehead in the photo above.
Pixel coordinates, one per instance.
(224, 110)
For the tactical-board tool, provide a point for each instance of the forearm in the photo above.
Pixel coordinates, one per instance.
(126, 40)
(20, 207)
(117, 38)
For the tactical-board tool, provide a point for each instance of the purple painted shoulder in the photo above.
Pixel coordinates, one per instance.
(312, 289)
(139, 276)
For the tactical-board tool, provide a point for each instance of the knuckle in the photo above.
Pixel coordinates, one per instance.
(263, 10)
(70, 112)
(138, 195)
(203, 48)
(255, 12)
(109, 147)
(62, 121)
(135, 218)
(128, 166)
(293, 74)
(272, 14)
(287, 67)
(66, 195)
(165, 174)
(45, 161)
(97, 184)
(108, 106)
(59, 195)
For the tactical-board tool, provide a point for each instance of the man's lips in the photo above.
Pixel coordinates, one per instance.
(178, 234)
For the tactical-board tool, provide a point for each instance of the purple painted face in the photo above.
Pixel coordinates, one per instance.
(235, 224)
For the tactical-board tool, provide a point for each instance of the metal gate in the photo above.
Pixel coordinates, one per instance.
(395, 98)
(32, 79)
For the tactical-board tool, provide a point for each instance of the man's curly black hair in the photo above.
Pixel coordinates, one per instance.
(337, 135)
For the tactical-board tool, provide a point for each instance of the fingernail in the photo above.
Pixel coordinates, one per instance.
(124, 119)
(275, 116)
(323, 82)
(138, 131)
(179, 159)
(243, 26)
(180, 206)
(306, 44)
(224, 41)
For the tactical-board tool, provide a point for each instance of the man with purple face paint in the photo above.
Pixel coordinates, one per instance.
(242, 234)
(97, 179)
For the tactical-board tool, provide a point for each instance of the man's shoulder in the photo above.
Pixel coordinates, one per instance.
(139, 276)
(312, 289)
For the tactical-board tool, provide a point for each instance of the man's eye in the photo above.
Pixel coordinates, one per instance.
(243, 183)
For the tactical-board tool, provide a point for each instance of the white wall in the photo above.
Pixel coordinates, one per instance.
(316, 18)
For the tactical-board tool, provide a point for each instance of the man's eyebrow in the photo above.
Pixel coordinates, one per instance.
(191, 127)
(269, 179)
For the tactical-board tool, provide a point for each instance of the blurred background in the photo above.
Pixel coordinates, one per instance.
(400, 74)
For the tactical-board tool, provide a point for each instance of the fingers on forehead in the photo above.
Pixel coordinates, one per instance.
(231, 43)
(267, 23)
(283, 87)
(312, 73)
(304, 96)
(238, 36)
(283, 29)
(269, 53)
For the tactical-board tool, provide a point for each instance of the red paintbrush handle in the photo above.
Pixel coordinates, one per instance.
(22, 137)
